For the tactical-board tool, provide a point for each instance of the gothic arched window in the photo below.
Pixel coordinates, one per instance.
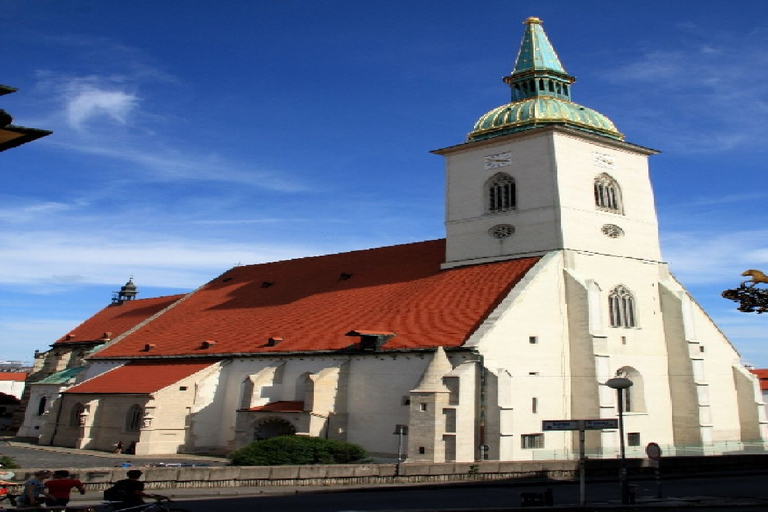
(41, 405)
(621, 306)
(500, 193)
(133, 418)
(74, 414)
(634, 396)
(608, 194)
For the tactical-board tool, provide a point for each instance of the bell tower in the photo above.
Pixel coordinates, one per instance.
(542, 173)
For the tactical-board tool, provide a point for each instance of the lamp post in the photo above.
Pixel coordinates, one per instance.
(400, 431)
(620, 384)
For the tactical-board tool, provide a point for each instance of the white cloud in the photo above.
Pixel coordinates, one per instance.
(706, 257)
(33, 211)
(88, 103)
(102, 115)
(693, 98)
(49, 260)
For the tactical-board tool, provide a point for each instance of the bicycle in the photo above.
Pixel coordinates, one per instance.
(161, 504)
(5, 494)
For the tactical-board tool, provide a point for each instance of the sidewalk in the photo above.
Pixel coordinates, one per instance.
(34, 456)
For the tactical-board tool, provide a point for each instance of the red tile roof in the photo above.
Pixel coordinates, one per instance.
(13, 376)
(115, 319)
(139, 377)
(311, 303)
(279, 407)
(762, 375)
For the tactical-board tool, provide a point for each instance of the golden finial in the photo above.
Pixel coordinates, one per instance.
(533, 20)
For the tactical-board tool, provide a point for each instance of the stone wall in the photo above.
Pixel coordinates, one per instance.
(98, 479)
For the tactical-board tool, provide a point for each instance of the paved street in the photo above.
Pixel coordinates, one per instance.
(32, 456)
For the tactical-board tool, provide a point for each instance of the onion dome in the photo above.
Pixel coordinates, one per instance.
(541, 95)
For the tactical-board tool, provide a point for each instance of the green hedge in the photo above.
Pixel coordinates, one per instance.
(7, 462)
(297, 450)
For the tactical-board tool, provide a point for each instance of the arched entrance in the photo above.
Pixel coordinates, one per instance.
(272, 427)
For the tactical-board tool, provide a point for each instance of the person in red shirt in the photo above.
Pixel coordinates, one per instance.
(60, 486)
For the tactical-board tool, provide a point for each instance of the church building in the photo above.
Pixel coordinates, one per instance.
(548, 283)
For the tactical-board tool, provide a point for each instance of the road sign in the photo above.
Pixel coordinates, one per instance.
(598, 424)
(560, 425)
(601, 424)
(653, 451)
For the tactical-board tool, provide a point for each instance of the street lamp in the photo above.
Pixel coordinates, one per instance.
(400, 431)
(620, 384)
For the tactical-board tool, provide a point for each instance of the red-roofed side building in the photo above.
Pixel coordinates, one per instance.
(127, 396)
(66, 355)
(550, 282)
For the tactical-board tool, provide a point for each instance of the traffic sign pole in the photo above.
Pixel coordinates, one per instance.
(581, 426)
(582, 469)
(653, 451)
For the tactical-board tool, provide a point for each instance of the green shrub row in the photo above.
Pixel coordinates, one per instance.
(297, 450)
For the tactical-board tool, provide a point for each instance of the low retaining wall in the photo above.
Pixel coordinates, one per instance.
(370, 474)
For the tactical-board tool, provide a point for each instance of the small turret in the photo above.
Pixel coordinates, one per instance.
(127, 292)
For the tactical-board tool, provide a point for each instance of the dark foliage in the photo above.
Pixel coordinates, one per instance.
(750, 298)
(7, 462)
(297, 450)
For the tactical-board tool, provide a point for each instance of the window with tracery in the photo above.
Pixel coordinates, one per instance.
(608, 194)
(133, 418)
(621, 304)
(500, 193)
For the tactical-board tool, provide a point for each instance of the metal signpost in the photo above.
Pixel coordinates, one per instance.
(400, 431)
(653, 451)
(582, 426)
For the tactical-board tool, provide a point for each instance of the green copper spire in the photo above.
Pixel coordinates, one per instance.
(536, 52)
(541, 94)
(538, 71)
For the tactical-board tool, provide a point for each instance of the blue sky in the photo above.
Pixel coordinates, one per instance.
(191, 136)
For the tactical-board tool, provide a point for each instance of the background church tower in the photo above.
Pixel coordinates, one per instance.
(542, 173)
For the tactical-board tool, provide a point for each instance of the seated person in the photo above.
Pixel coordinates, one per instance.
(134, 490)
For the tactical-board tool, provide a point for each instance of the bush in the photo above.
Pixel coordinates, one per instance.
(297, 450)
(7, 462)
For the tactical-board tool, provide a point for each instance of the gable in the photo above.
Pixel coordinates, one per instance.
(310, 304)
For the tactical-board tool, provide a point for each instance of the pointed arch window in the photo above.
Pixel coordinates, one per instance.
(500, 193)
(133, 418)
(608, 194)
(41, 404)
(634, 396)
(621, 305)
(74, 414)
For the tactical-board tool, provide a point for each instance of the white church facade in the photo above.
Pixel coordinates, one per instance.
(549, 282)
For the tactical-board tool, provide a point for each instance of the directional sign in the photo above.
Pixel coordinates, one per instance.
(601, 424)
(560, 425)
(597, 424)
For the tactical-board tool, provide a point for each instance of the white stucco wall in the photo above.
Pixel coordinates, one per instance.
(12, 387)
(374, 389)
